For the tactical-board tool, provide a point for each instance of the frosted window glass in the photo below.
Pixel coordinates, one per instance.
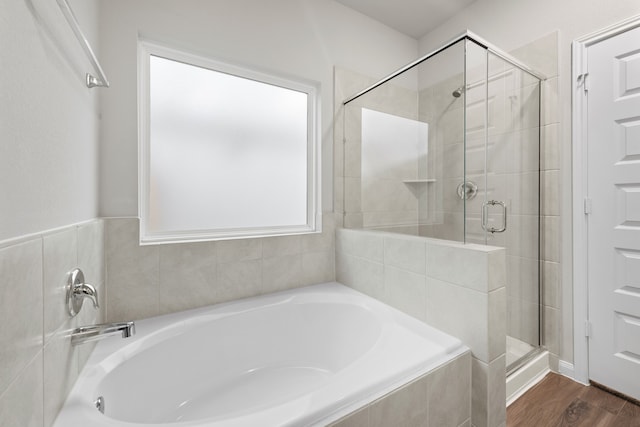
(226, 152)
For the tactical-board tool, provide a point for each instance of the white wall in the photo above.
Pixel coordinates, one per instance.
(301, 38)
(48, 179)
(510, 24)
(48, 119)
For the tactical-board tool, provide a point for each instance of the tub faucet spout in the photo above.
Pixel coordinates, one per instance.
(86, 334)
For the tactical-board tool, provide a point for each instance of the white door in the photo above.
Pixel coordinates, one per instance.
(613, 185)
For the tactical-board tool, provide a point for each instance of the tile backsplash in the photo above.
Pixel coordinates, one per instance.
(145, 281)
(457, 288)
(38, 365)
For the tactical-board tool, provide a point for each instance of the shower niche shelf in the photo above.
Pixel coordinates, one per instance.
(419, 181)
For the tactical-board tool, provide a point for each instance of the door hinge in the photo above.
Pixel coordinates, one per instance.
(587, 206)
(587, 329)
(583, 79)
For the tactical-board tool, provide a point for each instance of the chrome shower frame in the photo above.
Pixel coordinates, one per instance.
(467, 35)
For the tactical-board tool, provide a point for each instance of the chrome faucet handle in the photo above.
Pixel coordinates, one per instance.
(77, 291)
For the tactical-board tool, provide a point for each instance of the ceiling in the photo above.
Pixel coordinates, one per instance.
(412, 17)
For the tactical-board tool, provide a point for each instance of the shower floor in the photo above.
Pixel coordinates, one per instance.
(516, 350)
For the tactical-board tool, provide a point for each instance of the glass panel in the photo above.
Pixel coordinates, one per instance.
(402, 153)
(226, 152)
(513, 176)
(476, 181)
(476, 121)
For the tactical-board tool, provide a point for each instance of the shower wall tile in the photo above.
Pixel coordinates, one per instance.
(550, 188)
(132, 273)
(281, 273)
(523, 150)
(497, 268)
(406, 291)
(145, 281)
(361, 274)
(450, 127)
(452, 157)
(523, 320)
(39, 365)
(385, 195)
(318, 267)
(441, 397)
(444, 262)
(281, 245)
(550, 149)
(192, 263)
(338, 199)
(60, 370)
(551, 238)
(407, 253)
(550, 104)
(521, 239)
(523, 273)
(488, 393)
(478, 318)
(449, 393)
(405, 406)
(352, 158)
(523, 190)
(551, 280)
(451, 202)
(324, 241)
(497, 327)
(238, 250)
(21, 405)
(60, 255)
(91, 316)
(353, 220)
(551, 337)
(21, 320)
(363, 244)
(350, 83)
(389, 220)
(358, 418)
(237, 280)
(352, 194)
(452, 308)
(91, 251)
(409, 230)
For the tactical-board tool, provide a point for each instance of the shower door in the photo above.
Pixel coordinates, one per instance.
(503, 160)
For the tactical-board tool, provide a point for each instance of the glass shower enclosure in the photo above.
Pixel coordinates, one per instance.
(448, 147)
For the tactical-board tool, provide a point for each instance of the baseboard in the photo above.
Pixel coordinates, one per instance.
(527, 376)
(567, 369)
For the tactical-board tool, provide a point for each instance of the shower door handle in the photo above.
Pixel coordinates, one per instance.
(485, 216)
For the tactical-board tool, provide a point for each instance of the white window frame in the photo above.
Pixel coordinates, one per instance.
(146, 49)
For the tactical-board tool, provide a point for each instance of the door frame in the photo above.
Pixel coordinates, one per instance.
(579, 79)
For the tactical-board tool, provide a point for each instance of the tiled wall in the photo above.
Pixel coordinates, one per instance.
(145, 281)
(440, 398)
(440, 211)
(38, 365)
(459, 289)
(542, 55)
(381, 200)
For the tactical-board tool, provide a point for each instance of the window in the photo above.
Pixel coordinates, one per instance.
(224, 151)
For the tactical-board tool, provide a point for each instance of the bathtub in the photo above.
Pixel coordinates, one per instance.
(305, 357)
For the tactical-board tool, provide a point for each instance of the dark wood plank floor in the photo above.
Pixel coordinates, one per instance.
(558, 401)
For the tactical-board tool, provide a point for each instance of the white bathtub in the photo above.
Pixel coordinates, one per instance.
(296, 358)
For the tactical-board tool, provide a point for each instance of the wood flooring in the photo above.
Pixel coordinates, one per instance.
(558, 401)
